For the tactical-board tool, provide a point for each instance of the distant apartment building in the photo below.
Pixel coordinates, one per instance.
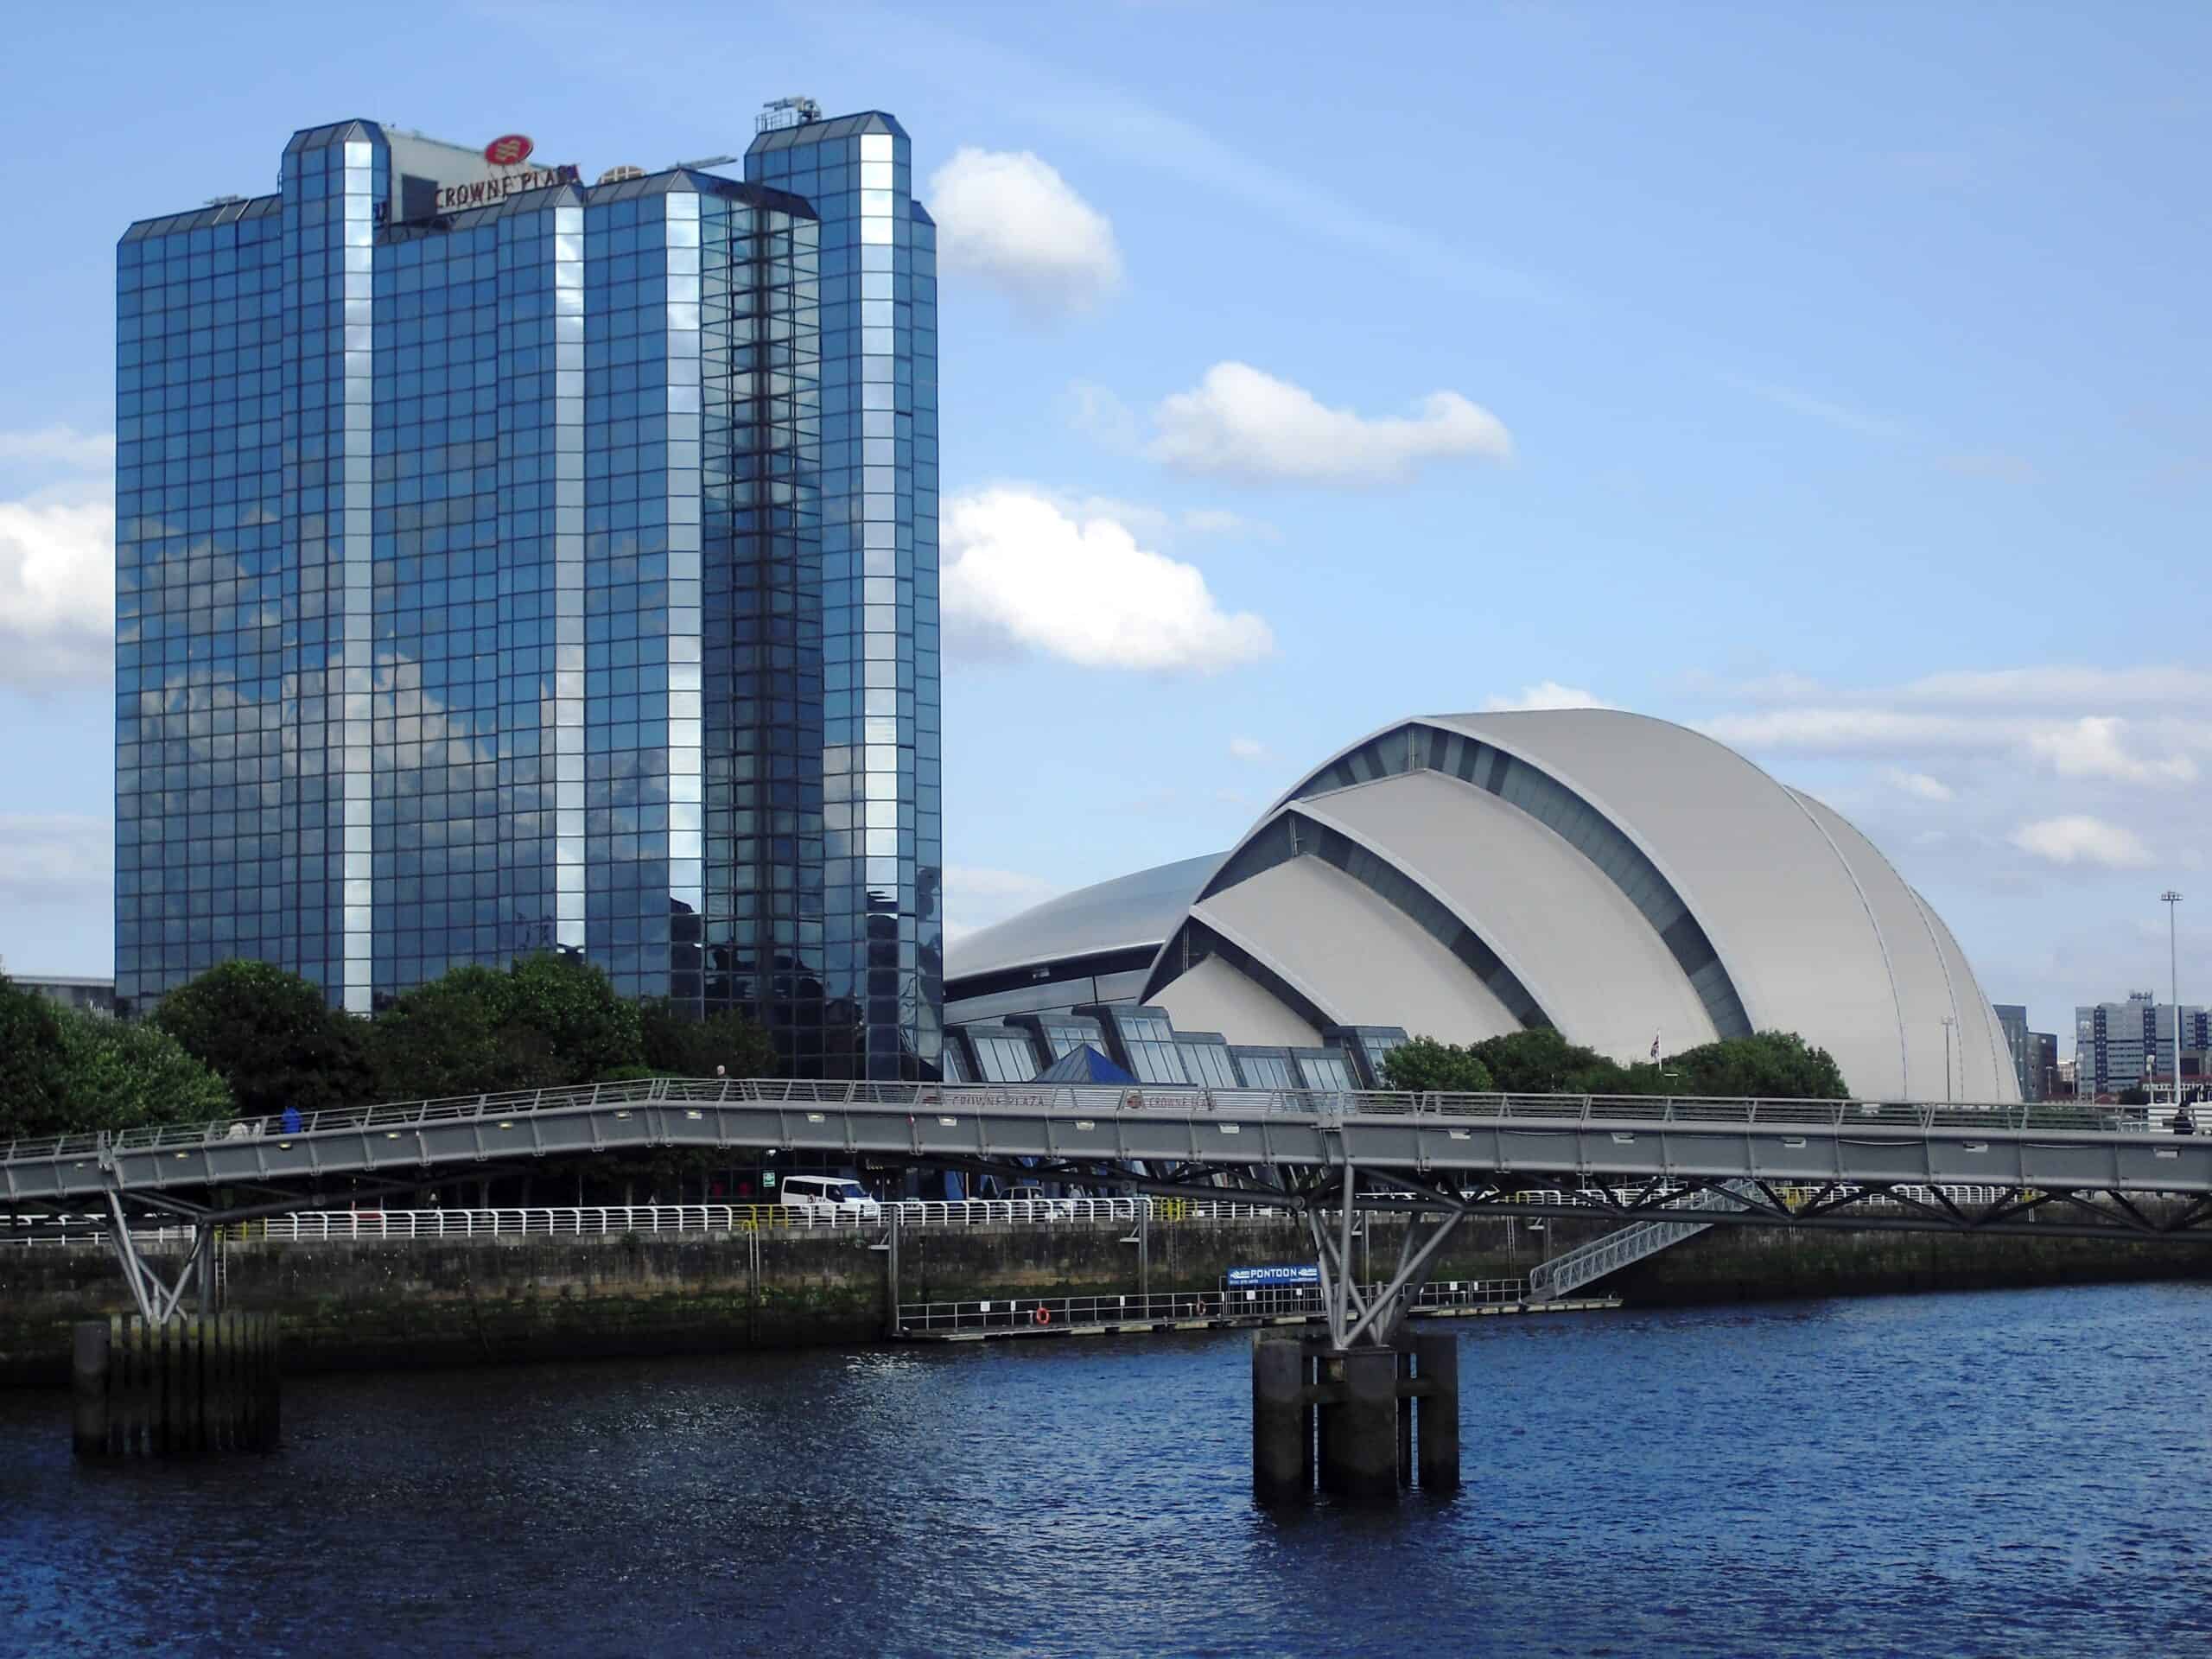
(2131, 1045)
(70, 991)
(2013, 1021)
(2034, 1053)
(2043, 1068)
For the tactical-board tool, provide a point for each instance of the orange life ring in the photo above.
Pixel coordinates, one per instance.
(1041, 1315)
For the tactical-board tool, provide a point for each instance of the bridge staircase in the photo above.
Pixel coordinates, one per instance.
(1570, 1270)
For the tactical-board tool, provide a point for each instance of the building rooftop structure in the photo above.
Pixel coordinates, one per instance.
(1628, 882)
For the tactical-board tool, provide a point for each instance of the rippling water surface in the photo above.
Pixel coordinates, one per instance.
(2007, 1474)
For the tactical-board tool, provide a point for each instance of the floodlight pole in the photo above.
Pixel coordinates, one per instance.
(2172, 902)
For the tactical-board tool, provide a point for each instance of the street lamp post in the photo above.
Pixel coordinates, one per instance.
(1950, 1019)
(2172, 902)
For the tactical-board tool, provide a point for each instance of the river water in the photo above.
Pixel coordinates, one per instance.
(2001, 1473)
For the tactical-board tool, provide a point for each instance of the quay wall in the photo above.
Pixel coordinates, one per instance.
(368, 1305)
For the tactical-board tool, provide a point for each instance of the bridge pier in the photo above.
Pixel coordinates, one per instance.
(1364, 1423)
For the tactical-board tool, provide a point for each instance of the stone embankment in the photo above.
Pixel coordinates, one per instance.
(361, 1306)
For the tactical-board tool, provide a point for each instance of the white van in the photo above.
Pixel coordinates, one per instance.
(830, 1197)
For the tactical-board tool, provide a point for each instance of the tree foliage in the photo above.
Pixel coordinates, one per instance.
(270, 1035)
(548, 1020)
(569, 1005)
(63, 1071)
(1427, 1066)
(455, 1035)
(121, 1075)
(30, 1063)
(683, 1045)
(1769, 1065)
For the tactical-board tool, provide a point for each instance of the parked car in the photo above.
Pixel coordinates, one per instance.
(830, 1197)
(1058, 1209)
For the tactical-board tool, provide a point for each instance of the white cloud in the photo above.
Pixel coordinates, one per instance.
(1219, 521)
(1023, 573)
(1825, 410)
(57, 590)
(62, 446)
(1547, 694)
(2079, 839)
(2061, 686)
(1012, 220)
(1846, 730)
(1102, 417)
(1918, 783)
(2091, 747)
(56, 858)
(1240, 422)
(1246, 748)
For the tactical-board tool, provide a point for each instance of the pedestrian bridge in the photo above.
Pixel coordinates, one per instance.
(2041, 1169)
(1870, 1146)
(1272, 1146)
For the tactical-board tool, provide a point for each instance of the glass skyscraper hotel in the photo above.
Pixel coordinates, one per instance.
(508, 563)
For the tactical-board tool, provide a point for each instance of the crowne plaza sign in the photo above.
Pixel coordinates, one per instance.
(452, 198)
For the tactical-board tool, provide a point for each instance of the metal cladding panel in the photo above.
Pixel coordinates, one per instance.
(1139, 909)
(1931, 981)
(1583, 950)
(1985, 1048)
(1775, 898)
(1216, 997)
(1356, 957)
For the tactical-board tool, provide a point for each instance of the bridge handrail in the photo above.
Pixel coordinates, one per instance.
(396, 1117)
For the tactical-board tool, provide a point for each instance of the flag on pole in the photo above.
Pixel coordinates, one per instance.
(1654, 1045)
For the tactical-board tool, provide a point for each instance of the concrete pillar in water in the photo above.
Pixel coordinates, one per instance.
(1282, 1440)
(88, 1377)
(1359, 1441)
(1436, 1360)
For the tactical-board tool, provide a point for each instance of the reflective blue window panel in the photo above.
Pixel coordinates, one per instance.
(524, 566)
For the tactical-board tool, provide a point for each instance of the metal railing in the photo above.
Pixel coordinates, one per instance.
(602, 1220)
(1171, 1307)
(1077, 1100)
(1572, 1269)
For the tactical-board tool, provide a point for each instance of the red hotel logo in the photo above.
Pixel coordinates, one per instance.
(510, 151)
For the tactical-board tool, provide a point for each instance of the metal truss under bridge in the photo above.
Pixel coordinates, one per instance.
(2055, 1169)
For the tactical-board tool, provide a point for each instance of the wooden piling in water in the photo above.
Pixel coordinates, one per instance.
(181, 1389)
(88, 1373)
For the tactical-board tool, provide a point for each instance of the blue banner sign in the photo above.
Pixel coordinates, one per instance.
(1247, 1278)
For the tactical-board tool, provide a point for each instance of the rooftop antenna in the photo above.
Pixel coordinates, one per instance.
(794, 112)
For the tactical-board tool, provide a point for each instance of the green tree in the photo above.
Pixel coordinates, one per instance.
(1427, 1066)
(1539, 1061)
(31, 1059)
(270, 1036)
(457, 1035)
(1766, 1065)
(569, 1005)
(683, 1045)
(119, 1074)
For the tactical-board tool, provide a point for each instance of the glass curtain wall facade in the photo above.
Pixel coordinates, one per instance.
(883, 946)
(471, 599)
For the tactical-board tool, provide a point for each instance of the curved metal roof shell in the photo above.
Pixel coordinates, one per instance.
(1136, 911)
(1612, 874)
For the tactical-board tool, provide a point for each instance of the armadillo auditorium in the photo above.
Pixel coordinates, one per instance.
(1618, 878)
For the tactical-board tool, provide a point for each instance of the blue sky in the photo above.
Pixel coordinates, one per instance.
(1830, 377)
